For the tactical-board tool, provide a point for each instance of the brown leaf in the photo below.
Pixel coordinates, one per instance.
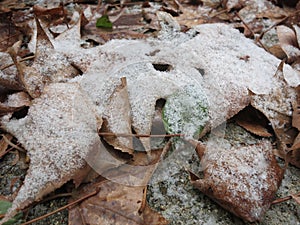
(253, 121)
(9, 32)
(296, 111)
(276, 106)
(118, 118)
(288, 42)
(277, 51)
(114, 204)
(243, 180)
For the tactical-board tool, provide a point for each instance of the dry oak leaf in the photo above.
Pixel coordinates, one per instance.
(48, 66)
(114, 204)
(58, 133)
(242, 180)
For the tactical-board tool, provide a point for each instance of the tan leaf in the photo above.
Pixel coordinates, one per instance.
(243, 180)
(118, 118)
(288, 42)
(114, 204)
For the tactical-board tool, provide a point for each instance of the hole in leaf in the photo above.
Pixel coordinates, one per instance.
(163, 67)
(136, 143)
(21, 113)
(201, 71)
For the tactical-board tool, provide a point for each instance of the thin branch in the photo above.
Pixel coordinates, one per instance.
(279, 200)
(61, 208)
(246, 25)
(140, 135)
(21, 60)
(12, 144)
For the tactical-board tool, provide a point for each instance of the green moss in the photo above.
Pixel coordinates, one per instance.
(186, 112)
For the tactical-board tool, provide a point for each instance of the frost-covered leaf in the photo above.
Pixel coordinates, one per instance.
(58, 133)
(243, 180)
(48, 66)
(8, 73)
(277, 107)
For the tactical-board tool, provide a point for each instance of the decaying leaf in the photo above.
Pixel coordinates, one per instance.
(243, 180)
(58, 132)
(114, 204)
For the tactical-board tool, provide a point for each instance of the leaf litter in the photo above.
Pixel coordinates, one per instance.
(134, 60)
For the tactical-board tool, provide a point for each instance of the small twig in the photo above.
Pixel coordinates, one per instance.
(279, 200)
(12, 144)
(256, 39)
(21, 60)
(61, 208)
(140, 135)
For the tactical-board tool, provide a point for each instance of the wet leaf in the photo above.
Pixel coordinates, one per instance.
(104, 22)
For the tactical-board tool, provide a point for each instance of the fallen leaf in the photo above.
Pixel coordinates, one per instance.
(114, 204)
(288, 42)
(8, 73)
(277, 107)
(9, 32)
(58, 133)
(48, 66)
(117, 118)
(253, 121)
(243, 180)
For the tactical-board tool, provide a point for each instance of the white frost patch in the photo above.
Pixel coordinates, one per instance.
(58, 132)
